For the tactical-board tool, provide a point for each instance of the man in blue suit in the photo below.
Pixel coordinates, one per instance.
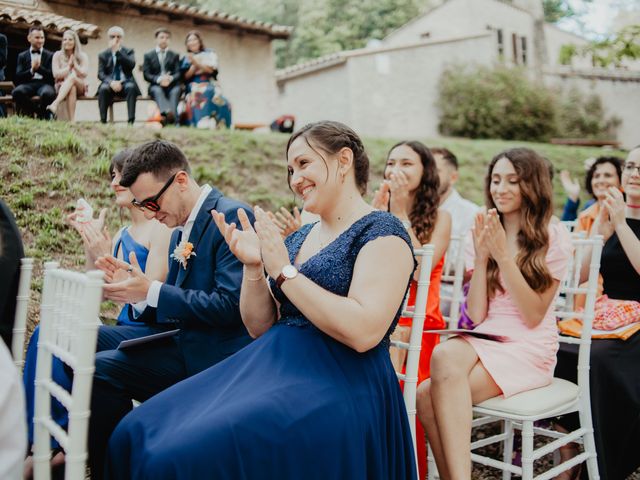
(200, 296)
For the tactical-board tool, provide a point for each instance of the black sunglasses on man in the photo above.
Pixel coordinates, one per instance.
(151, 203)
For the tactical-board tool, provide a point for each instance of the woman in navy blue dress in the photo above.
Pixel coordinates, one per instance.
(315, 396)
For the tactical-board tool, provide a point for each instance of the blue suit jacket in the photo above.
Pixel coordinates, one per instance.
(203, 300)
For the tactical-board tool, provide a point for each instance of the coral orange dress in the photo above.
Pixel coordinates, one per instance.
(433, 320)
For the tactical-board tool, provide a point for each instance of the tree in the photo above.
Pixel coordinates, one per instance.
(612, 51)
(322, 27)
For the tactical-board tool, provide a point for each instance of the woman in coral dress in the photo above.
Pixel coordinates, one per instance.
(519, 259)
(410, 192)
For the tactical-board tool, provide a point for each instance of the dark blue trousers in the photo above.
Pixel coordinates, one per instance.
(124, 375)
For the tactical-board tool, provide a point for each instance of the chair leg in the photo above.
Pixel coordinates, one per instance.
(507, 449)
(589, 443)
(432, 469)
(527, 450)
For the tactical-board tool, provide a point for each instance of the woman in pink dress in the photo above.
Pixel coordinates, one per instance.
(519, 258)
(70, 67)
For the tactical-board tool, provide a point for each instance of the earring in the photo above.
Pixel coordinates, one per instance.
(342, 175)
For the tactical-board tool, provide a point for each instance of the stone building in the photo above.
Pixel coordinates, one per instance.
(390, 88)
(247, 63)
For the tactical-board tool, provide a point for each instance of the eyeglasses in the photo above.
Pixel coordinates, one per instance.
(630, 168)
(115, 36)
(151, 203)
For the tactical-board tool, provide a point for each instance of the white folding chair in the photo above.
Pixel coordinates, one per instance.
(559, 398)
(451, 281)
(68, 330)
(22, 309)
(570, 224)
(410, 378)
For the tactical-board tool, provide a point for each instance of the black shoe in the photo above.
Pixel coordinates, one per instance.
(163, 119)
(169, 117)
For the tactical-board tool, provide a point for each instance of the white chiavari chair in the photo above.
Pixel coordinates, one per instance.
(22, 310)
(424, 256)
(68, 330)
(559, 398)
(570, 224)
(451, 294)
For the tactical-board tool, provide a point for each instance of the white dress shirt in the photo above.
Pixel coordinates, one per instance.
(162, 57)
(36, 56)
(462, 211)
(13, 427)
(154, 289)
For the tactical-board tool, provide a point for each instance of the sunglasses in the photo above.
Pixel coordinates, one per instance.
(151, 203)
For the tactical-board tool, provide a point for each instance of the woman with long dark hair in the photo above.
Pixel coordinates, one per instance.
(519, 258)
(411, 192)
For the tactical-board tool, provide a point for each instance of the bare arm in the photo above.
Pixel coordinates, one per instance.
(82, 68)
(59, 73)
(361, 319)
(257, 307)
(532, 305)
(477, 299)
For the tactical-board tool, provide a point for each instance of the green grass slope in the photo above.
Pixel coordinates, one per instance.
(47, 166)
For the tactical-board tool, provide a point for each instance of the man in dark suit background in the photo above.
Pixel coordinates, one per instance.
(200, 296)
(3, 64)
(34, 76)
(11, 251)
(161, 68)
(115, 71)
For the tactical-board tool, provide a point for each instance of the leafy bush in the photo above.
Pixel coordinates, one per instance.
(499, 102)
(582, 116)
(502, 102)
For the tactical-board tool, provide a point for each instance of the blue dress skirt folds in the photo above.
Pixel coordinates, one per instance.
(59, 373)
(293, 404)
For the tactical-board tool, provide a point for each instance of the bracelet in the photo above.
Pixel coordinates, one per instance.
(261, 277)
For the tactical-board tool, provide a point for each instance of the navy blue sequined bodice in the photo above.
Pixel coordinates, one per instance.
(332, 267)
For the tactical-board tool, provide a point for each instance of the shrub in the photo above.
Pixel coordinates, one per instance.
(498, 102)
(502, 102)
(582, 116)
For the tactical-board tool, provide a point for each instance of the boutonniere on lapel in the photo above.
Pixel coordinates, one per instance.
(183, 252)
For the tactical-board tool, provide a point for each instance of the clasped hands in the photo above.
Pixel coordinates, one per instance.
(393, 195)
(489, 237)
(126, 282)
(612, 213)
(259, 246)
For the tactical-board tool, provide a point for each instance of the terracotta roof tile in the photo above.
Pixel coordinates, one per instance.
(48, 20)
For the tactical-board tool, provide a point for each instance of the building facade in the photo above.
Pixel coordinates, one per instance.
(391, 89)
(247, 63)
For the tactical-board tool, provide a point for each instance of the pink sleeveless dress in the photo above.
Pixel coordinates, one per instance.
(527, 360)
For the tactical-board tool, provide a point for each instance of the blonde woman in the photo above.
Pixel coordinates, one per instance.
(70, 67)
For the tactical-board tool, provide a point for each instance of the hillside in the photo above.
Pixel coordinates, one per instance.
(46, 167)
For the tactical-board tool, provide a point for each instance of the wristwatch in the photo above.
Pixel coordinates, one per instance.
(288, 272)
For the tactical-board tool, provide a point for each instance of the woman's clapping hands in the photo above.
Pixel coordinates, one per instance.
(489, 237)
(256, 245)
(244, 244)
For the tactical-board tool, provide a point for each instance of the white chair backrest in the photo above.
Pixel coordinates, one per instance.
(590, 248)
(570, 224)
(22, 310)
(424, 256)
(452, 274)
(68, 330)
